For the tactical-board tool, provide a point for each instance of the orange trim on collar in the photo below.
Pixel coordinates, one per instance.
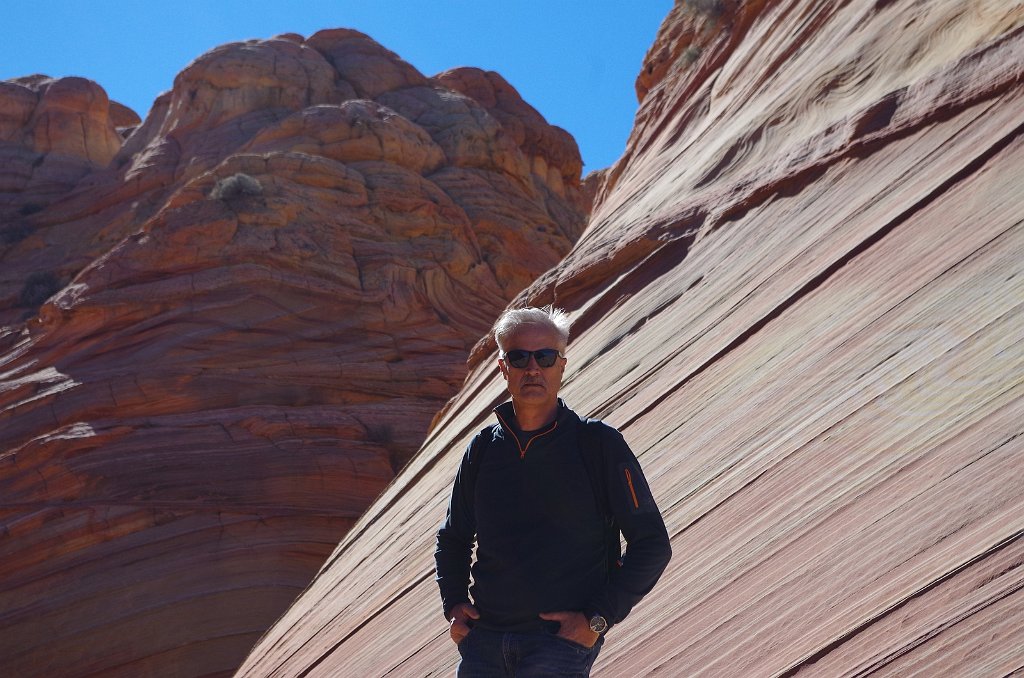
(522, 450)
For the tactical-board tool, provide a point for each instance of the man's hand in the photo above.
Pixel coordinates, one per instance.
(461, 614)
(574, 627)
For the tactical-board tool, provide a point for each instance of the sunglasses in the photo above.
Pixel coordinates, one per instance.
(519, 359)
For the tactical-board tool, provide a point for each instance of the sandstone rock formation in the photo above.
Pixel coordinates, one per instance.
(801, 297)
(53, 132)
(221, 336)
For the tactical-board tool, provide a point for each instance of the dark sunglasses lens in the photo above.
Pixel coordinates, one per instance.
(545, 357)
(518, 359)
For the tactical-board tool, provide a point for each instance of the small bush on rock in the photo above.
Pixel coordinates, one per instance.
(712, 8)
(236, 186)
(690, 55)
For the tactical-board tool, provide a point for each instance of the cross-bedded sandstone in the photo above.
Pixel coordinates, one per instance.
(242, 319)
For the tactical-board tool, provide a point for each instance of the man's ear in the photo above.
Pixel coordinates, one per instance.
(504, 369)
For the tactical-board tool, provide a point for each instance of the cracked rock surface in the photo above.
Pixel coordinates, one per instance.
(223, 329)
(801, 298)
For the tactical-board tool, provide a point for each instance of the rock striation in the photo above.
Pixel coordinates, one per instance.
(53, 132)
(801, 298)
(224, 329)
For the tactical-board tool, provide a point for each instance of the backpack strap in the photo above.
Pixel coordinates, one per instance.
(591, 444)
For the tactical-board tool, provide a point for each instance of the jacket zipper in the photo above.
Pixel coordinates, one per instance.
(522, 450)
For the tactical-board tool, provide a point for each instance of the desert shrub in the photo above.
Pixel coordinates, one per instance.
(236, 186)
(711, 8)
(690, 54)
(39, 287)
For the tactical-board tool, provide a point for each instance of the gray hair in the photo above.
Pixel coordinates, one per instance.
(549, 316)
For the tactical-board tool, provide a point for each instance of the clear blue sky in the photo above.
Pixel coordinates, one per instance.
(573, 60)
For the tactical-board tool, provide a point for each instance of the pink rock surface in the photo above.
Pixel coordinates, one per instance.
(248, 314)
(801, 298)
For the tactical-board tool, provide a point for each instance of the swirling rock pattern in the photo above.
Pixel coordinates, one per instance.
(801, 297)
(240, 321)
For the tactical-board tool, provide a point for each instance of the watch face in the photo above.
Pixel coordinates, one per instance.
(598, 624)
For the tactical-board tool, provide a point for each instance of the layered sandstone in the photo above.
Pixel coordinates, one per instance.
(801, 298)
(239, 322)
(53, 132)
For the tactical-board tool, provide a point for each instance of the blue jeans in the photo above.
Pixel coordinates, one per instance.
(497, 654)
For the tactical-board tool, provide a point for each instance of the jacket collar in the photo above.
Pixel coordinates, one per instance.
(507, 417)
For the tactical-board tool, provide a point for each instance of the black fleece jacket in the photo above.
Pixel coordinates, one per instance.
(540, 534)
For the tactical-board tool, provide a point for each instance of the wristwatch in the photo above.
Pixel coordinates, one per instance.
(598, 624)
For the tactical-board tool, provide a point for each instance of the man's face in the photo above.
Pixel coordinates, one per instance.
(533, 385)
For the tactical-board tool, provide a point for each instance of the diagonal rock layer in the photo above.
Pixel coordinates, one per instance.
(801, 297)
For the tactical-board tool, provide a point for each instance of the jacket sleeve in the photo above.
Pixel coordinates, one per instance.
(647, 544)
(455, 540)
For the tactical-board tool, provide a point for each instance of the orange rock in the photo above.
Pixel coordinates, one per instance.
(354, 131)
(244, 77)
(72, 118)
(363, 64)
(123, 117)
(52, 133)
(553, 155)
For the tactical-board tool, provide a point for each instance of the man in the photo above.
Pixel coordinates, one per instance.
(547, 584)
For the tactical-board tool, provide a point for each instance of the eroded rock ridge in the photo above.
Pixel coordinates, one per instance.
(223, 329)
